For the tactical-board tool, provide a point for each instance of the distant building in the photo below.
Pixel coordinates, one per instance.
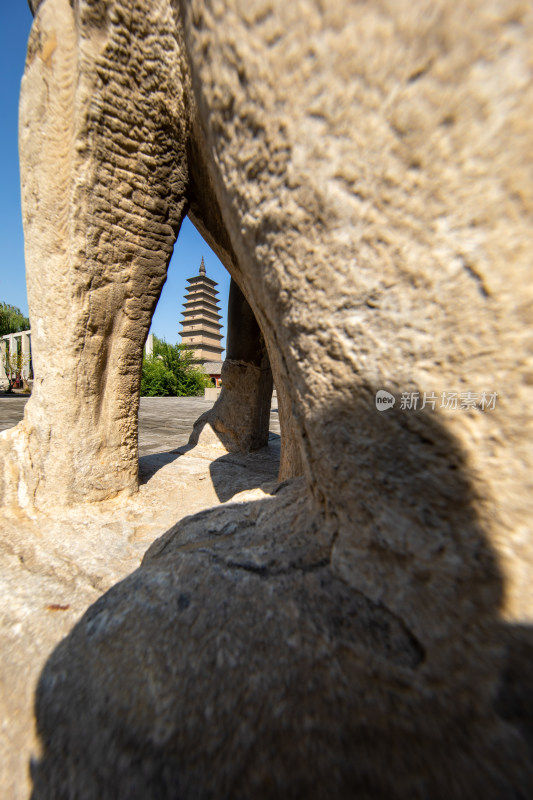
(214, 370)
(18, 347)
(201, 327)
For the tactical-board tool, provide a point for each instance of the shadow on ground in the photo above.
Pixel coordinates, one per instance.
(230, 474)
(270, 650)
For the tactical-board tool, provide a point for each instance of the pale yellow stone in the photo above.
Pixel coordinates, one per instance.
(364, 171)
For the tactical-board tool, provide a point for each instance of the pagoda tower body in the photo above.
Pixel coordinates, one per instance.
(201, 318)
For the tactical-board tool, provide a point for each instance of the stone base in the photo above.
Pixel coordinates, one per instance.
(53, 567)
(239, 419)
(236, 662)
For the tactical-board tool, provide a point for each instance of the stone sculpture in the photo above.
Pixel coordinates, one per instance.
(362, 168)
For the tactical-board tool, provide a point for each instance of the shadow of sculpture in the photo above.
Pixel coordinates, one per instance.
(280, 648)
(233, 473)
(150, 464)
(230, 473)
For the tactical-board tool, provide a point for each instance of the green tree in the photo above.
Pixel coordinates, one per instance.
(12, 319)
(172, 372)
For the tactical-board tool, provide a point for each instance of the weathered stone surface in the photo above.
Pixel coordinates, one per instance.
(239, 420)
(237, 662)
(367, 180)
(52, 568)
(34, 5)
(102, 202)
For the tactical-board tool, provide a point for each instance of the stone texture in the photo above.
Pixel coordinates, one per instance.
(102, 202)
(237, 662)
(364, 171)
(53, 567)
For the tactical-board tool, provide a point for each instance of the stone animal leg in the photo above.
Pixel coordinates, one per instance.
(240, 417)
(102, 142)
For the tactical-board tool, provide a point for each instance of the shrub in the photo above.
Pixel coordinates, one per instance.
(157, 380)
(171, 371)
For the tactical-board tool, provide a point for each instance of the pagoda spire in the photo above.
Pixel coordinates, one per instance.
(202, 267)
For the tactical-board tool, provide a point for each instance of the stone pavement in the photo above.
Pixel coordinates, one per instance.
(164, 422)
(11, 409)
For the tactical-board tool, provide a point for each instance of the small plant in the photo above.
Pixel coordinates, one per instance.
(14, 363)
(171, 371)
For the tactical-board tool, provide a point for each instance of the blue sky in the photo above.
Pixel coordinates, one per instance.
(189, 249)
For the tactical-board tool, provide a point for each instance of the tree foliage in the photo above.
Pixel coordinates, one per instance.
(172, 372)
(12, 319)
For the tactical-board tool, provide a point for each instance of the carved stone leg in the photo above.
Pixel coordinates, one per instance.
(240, 417)
(103, 185)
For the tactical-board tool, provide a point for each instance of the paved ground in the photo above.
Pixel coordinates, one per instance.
(164, 422)
(11, 409)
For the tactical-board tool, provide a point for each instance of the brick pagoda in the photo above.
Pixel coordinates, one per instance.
(201, 320)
